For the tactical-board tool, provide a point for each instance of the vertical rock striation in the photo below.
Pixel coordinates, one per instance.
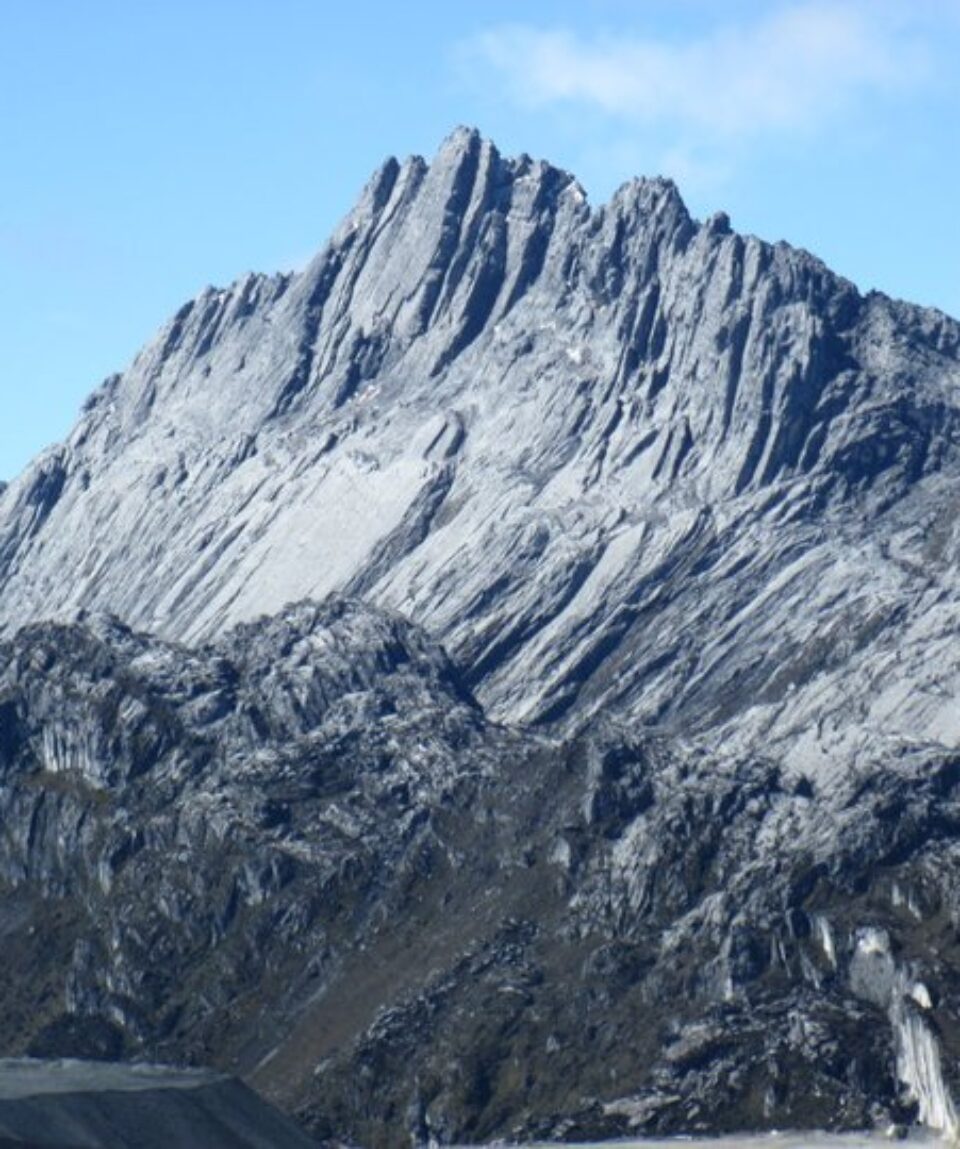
(665, 841)
(617, 460)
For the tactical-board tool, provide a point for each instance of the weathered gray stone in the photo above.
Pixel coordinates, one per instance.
(614, 459)
(681, 507)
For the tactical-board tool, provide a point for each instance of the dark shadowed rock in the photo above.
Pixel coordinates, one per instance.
(78, 1105)
(303, 854)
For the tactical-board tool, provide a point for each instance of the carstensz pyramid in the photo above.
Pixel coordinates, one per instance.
(529, 701)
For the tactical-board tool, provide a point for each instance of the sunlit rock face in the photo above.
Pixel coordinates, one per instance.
(614, 724)
(615, 459)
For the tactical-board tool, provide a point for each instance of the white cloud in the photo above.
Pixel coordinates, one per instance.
(790, 71)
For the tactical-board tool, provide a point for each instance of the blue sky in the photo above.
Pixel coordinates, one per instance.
(147, 150)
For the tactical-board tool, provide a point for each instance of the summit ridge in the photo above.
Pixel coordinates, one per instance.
(545, 431)
(507, 670)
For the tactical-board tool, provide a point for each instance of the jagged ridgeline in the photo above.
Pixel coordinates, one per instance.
(603, 776)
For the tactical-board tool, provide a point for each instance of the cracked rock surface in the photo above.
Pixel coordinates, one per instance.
(500, 681)
(615, 460)
(302, 854)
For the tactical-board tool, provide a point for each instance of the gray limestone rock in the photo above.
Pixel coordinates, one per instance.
(616, 460)
(302, 854)
(679, 505)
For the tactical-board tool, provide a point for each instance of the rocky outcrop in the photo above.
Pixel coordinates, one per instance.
(303, 855)
(663, 837)
(616, 460)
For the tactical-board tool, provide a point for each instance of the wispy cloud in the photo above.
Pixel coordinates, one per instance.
(789, 71)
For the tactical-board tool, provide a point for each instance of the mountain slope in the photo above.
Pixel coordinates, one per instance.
(662, 837)
(302, 855)
(615, 459)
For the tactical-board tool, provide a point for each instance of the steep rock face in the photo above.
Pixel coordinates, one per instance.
(196, 840)
(303, 855)
(680, 506)
(615, 459)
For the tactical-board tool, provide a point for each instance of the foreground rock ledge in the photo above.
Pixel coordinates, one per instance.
(97, 1105)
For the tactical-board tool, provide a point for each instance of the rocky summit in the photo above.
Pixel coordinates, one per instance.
(500, 681)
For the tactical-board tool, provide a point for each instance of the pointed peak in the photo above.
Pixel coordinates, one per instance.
(655, 198)
(718, 224)
(463, 144)
(381, 184)
(650, 190)
(462, 138)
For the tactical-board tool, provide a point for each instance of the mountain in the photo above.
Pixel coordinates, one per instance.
(303, 854)
(614, 460)
(500, 681)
